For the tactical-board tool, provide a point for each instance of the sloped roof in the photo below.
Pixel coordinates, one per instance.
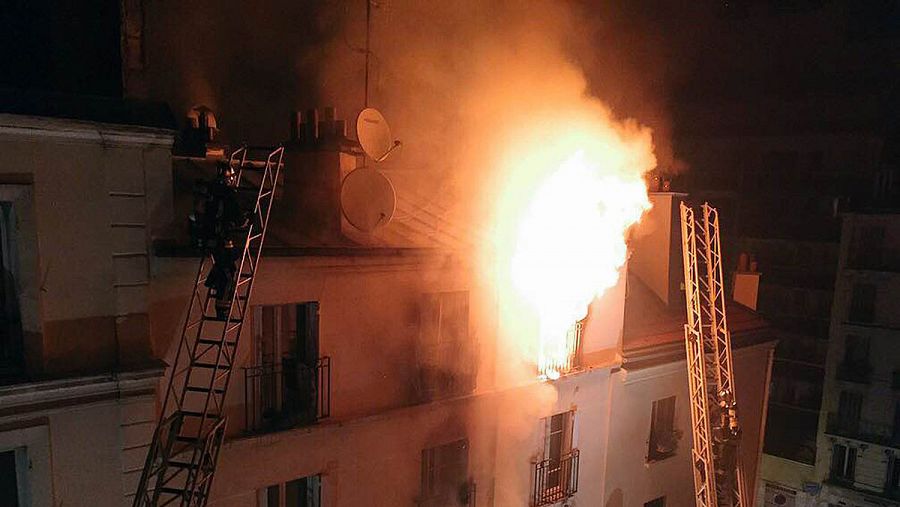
(654, 330)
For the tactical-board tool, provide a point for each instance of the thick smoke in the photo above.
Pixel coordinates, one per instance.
(472, 88)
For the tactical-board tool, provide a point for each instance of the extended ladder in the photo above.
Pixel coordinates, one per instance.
(718, 475)
(182, 458)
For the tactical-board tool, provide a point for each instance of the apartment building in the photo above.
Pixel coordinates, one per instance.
(81, 202)
(859, 426)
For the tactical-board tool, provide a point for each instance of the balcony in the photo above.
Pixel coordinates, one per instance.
(866, 431)
(555, 480)
(858, 372)
(286, 395)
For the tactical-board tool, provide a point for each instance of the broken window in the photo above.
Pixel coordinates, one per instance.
(663, 435)
(656, 502)
(445, 354)
(445, 475)
(843, 463)
(862, 303)
(302, 492)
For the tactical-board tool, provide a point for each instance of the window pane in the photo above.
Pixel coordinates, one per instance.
(273, 496)
(9, 491)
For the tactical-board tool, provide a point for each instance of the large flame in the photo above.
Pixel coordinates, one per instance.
(567, 208)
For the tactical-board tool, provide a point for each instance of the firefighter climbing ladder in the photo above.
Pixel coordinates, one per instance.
(182, 458)
(718, 475)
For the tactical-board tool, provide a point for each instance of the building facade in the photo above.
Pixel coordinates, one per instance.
(859, 426)
(81, 202)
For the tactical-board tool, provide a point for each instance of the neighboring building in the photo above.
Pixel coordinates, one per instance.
(650, 463)
(80, 203)
(859, 437)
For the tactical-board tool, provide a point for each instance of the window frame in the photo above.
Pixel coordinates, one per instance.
(664, 416)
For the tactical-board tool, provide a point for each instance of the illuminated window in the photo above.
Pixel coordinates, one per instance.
(663, 435)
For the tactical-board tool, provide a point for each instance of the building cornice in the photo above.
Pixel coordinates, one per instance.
(51, 394)
(38, 127)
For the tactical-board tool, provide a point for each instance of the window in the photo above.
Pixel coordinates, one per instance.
(862, 303)
(303, 492)
(556, 476)
(656, 502)
(663, 435)
(446, 356)
(843, 463)
(855, 365)
(558, 445)
(445, 474)
(866, 250)
(11, 349)
(287, 383)
(9, 488)
(849, 410)
(892, 481)
(856, 350)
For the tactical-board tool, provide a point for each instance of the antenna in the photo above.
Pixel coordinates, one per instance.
(368, 199)
(374, 134)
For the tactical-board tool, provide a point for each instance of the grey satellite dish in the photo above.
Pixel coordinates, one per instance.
(374, 134)
(367, 199)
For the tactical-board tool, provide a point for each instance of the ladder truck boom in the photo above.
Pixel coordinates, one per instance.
(182, 457)
(718, 474)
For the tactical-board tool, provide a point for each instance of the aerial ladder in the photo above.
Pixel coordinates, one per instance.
(718, 474)
(181, 460)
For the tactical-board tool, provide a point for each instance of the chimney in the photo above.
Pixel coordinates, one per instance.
(746, 282)
(656, 248)
(316, 164)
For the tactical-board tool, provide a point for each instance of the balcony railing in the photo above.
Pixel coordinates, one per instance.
(866, 431)
(572, 360)
(286, 395)
(555, 480)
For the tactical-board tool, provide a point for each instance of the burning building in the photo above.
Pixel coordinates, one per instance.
(501, 352)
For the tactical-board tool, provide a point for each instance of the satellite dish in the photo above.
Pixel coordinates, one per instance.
(367, 199)
(374, 134)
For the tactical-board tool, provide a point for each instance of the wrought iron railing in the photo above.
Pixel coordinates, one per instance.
(560, 364)
(284, 395)
(861, 429)
(555, 479)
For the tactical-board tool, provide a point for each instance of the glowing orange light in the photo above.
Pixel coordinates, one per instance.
(562, 225)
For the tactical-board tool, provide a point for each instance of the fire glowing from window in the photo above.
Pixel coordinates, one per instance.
(565, 212)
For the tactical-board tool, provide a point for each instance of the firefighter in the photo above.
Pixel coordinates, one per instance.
(221, 219)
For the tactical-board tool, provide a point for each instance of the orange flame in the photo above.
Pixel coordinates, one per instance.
(563, 219)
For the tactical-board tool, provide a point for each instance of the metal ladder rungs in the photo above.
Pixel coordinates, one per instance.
(193, 389)
(212, 366)
(182, 464)
(207, 341)
(208, 415)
